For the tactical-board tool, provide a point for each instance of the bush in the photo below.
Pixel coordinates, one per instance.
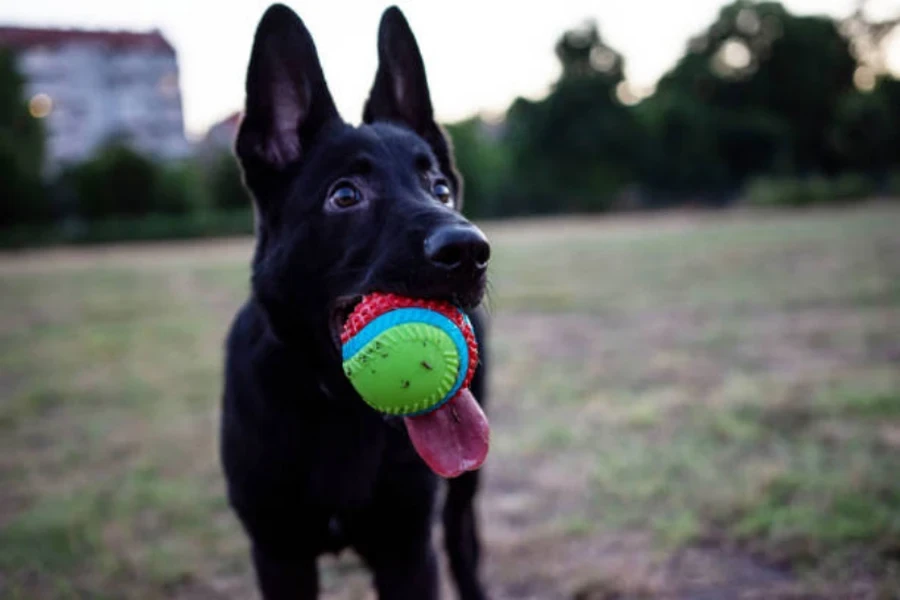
(853, 186)
(120, 182)
(117, 182)
(226, 187)
(893, 184)
(25, 200)
(864, 131)
(795, 191)
(182, 190)
(784, 191)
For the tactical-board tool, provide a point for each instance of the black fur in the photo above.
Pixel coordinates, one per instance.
(311, 468)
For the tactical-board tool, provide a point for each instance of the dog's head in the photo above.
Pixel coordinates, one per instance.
(343, 210)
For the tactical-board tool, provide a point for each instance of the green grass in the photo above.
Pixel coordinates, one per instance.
(725, 379)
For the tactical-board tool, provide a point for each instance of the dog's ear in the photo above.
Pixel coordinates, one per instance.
(400, 92)
(287, 99)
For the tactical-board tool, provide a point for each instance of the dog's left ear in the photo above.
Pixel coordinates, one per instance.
(400, 92)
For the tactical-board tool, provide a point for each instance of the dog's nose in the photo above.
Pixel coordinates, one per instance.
(458, 247)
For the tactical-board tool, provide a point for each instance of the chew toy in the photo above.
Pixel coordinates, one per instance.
(407, 356)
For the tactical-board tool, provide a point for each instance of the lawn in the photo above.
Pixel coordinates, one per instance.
(683, 406)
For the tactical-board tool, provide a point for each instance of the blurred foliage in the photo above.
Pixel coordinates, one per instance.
(806, 191)
(785, 191)
(225, 183)
(117, 182)
(892, 187)
(483, 158)
(21, 152)
(182, 189)
(759, 58)
(764, 105)
(865, 130)
(120, 182)
(852, 186)
(573, 150)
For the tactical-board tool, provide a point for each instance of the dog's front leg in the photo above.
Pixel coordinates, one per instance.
(394, 535)
(286, 576)
(406, 575)
(461, 535)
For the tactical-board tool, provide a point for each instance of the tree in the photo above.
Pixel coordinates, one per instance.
(21, 152)
(865, 132)
(576, 148)
(788, 72)
(888, 88)
(482, 159)
(117, 182)
(226, 186)
(682, 158)
(181, 189)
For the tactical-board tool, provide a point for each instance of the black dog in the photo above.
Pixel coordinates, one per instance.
(341, 211)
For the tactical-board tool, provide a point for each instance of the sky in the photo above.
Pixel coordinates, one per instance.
(479, 54)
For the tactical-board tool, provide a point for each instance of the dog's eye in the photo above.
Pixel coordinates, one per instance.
(345, 195)
(442, 192)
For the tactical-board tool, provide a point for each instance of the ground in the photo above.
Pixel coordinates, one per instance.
(684, 406)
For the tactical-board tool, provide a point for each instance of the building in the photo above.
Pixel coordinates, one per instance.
(92, 87)
(223, 133)
(219, 138)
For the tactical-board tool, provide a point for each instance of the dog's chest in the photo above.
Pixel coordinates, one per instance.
(343, 466)
(345, 459)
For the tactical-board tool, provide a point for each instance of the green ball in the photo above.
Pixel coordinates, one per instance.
(406, 362)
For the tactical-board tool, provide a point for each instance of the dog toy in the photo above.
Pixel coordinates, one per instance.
(405, 356)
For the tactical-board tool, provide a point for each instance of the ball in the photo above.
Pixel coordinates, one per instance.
(407, 356)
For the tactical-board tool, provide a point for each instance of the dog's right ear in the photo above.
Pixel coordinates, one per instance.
(287, 99)
(400, 91)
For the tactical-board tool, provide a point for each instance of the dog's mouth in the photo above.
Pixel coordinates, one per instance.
(341, 309)
(452, 439)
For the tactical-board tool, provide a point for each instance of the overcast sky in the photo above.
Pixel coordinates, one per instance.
(480, 54)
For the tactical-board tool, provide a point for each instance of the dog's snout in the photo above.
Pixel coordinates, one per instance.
(457, 247)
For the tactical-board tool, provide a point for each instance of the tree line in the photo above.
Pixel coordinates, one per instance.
(764, 106)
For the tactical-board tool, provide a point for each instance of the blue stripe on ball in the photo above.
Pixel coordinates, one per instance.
(399, 316)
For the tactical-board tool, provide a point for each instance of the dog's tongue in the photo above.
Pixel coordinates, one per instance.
(454, 438)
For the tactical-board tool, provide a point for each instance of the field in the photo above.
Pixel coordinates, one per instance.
(684, 406)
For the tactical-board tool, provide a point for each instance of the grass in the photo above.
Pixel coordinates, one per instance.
(662, 387)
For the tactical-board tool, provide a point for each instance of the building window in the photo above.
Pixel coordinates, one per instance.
(40, 106)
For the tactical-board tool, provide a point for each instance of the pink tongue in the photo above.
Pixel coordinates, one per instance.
(454, 438)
